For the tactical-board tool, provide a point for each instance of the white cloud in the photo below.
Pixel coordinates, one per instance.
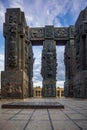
(37, 65)
(1, 57)
(38, 83)
(60, 84)
(44, 12)
(1, 62)
(41, 12)
(2, 15)
(61, 66)
(16, 4)
(76, 8)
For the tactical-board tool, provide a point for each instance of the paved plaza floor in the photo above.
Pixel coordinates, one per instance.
(72, 117)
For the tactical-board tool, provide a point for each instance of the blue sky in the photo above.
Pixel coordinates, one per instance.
(40, 13)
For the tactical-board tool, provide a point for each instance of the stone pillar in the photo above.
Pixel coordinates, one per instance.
(49, 64)
(30, 69)
(14, 80)
(49, 69)
(70, 63)
(67, 69)
(80, 80)
(60, 94)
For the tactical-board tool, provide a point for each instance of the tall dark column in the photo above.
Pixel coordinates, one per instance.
(80, 80)
(30, 69)
(70, 63)
(49, 68)
(14, 80)
(49, 64)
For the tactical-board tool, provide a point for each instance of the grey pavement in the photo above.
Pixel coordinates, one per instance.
(72, 117)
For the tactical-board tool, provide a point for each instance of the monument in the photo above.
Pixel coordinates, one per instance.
(49, 68)
(80, 79)
(16, 79)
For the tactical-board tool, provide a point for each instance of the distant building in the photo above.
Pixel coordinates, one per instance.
(59, 92)
(38, 92)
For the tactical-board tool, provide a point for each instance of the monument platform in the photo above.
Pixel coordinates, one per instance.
(33, 105)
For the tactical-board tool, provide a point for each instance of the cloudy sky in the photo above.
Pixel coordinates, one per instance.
(40, 13)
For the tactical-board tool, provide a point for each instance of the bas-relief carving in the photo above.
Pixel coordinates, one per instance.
(12, 47)
(60, 32)
(48, 69)
(26, 57)
(11, 89)
(72, 31)
(12, 18)
(36, 33)
(30, 69)
(49, 33)
(11, 32)
(77, 45)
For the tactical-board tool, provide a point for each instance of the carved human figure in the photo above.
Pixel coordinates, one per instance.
(13, 18)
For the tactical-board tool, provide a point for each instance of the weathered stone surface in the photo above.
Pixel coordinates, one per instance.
(30, 69)
(60, 32)
(19, 39)
(80, 84)
(49, 32)
(34, 105)
(14, 84)
(80, 79)
(18, 56)
(36, 33)
(70, 63)
(49, 66)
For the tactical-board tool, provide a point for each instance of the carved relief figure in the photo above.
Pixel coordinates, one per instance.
(12, 43)
(72, 31)
(49, 32)
(36, 33)
(13, 18)
(48, 69)
(26, 57)
(60, 32)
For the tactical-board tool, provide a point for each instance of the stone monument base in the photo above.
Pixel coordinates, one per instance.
(34, 105)
(14, 84)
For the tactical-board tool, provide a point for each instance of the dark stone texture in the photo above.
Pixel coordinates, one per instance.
(70, 63)
(18, 57)
(49, 66)
(34, 105)
(19, 39)
(80, 79)
(14, 84)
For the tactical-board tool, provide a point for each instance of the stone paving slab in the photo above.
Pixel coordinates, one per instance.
(72, 117)
(64, 125)
(82, 124)
(39, 125)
